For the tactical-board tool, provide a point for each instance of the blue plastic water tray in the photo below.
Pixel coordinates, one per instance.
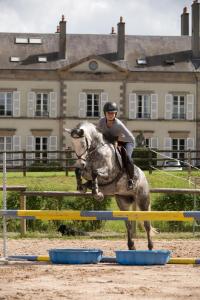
(142, 257)
(75, 256)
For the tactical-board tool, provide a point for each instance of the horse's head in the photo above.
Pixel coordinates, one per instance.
(81, 141)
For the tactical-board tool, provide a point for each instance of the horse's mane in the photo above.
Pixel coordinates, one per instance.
(91, 132)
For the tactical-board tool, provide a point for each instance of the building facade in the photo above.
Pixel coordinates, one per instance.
(49, 82)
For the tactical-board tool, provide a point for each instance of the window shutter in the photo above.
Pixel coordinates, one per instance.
(30, 146)
(168, 106)
(190, 107)
(16, 104)
(154, 106)
(104, 99)
(53, 105)
(132, 106)
(168, 146)
(17, 147)
(82, 105)
(52, 147)
(154, 142)
(190, 146)
(31, 104)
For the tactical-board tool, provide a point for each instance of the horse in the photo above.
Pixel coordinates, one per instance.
(97, 163)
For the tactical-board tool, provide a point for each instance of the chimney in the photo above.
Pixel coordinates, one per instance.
(113, 30)
(120, 39)
(185, 22)
(62, 40)
(195, 29)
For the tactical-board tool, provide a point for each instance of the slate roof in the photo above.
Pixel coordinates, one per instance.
(156, 49)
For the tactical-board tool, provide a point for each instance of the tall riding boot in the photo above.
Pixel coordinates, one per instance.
(131, 174)
(129, 166)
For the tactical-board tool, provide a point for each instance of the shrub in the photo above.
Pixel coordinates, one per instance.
(175, 202)
(53, 203)
(142, 156)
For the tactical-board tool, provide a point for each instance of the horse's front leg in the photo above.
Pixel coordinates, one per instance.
(95, 188)
(80, 186)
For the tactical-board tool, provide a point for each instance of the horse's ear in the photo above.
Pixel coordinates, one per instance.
(68, 130)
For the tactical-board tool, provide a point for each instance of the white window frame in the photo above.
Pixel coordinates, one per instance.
(41, 157)
(41, 112)
(178, 155)
(145, 105)
(93, 105)
(6, 104)
(179, 115)
(8, 155)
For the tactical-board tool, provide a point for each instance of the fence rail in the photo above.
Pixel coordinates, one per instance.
(65, 160)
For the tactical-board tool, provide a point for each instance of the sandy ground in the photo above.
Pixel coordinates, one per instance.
(34, 280)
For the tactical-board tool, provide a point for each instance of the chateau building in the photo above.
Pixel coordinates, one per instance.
(49, 82)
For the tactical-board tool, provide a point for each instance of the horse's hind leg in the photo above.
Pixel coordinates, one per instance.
(124, 203)
(143, 202)
(147, 226)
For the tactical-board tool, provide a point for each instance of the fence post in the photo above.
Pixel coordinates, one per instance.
(66, 163)
(150, 160)
(24, 162)
(189, 163)
(22, 200)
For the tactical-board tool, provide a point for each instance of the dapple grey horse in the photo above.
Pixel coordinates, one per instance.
(98, 165)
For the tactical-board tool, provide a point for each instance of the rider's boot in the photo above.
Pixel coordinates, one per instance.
(131, 184)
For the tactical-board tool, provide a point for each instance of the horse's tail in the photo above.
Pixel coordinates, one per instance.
(154, 231)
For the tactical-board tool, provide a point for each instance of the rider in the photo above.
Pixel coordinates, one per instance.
(111, 126)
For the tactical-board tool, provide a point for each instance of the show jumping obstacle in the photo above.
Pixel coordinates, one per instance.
(102, 215)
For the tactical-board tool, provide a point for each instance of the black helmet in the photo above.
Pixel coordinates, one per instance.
(110, 107)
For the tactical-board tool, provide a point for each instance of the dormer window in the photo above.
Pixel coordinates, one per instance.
(35, 41)
(141, 61)
(14, 59)
(21, 40)
(170, 61)
(42, 59)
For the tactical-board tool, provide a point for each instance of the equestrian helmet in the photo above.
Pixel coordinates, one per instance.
(110, 107)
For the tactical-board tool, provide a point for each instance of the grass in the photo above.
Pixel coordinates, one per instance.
(58, 181)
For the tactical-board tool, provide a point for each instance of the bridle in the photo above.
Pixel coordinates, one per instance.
(85, 151)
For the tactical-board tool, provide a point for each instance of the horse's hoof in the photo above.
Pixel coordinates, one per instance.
(99, 196)
(150, 245)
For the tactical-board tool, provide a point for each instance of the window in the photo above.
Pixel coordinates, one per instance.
(42, 105)
(21, 40)
(178, 107)
(42, 59)
(93, 105)
(35, 41)
(6, 145)
(147, 142)
(41, 146)
(143, 106)
(141, 61)
(178, 145)
(6, 103)
(15, 59)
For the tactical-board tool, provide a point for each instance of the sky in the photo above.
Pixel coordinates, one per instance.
(142, 17)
